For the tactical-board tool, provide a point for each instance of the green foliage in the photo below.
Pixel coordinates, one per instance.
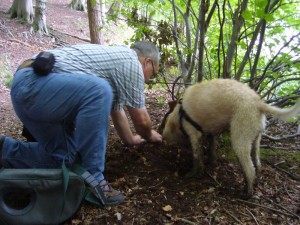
(5, 74)
(270, 65)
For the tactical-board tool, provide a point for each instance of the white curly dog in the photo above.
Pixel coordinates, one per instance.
(211, 107)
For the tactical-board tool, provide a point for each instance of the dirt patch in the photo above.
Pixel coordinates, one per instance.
(151, 176)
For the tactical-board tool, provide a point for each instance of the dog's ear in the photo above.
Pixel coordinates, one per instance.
(172, 105)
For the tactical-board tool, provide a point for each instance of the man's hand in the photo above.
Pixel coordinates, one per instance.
(137, 140)
(155, 137)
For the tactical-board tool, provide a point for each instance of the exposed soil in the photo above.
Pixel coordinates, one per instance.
(151, 176)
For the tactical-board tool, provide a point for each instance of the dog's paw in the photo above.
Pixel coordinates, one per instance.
(246, 196)
(247, 193)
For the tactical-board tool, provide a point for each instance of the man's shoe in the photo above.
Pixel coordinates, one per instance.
(112, 196)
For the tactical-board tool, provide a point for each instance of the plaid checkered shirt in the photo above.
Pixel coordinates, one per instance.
(118, 65)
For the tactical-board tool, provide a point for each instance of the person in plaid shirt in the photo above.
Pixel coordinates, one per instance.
(67, 111)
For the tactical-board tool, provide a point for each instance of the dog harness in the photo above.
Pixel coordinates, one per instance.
(184, 115)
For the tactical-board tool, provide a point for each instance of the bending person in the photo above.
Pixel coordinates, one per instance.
(67, 111)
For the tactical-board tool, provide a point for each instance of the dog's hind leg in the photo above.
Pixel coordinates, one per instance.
(255, 153)
(244, 155)
(256, 143)
(242, 145)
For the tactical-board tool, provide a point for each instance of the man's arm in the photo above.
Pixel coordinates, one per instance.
(142, 124)
(121, 124)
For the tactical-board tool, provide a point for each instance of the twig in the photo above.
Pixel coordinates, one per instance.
(158, 184)
(281, 162)
(266, 207)
(293, 176)
(20, 42)
(274, 147)
(288, 193)
(70, 35)
(186, 221)
(252, 215)
(280, 206)
(282, 137)
(5, 29)
(214, 179)
(234, 217)
(181, 219)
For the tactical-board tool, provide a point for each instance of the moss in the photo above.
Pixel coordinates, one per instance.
(288, 160)
(224, 149)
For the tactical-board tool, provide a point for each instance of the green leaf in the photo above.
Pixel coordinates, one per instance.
(269, 17)
(152, 13)
(247, 15)
(261, 3)
(260, 13)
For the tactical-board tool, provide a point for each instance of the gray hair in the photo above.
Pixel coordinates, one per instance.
(147, 49)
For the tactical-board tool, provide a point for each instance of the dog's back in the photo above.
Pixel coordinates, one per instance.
(219, 104)
(213, 104)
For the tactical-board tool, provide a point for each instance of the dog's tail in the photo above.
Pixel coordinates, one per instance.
(284, 114)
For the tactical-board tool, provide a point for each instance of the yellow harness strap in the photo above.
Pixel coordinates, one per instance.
(25, 64)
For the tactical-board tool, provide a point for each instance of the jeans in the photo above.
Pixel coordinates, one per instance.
(67, 113)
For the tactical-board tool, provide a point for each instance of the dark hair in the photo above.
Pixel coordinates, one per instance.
(147, 49)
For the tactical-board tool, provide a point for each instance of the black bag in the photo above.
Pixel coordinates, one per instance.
(43, 63)
(45, 196)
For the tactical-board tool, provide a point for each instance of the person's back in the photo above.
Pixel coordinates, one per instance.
(75, 93)
(94, 59)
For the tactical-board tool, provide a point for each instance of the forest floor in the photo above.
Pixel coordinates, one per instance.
(151, 176)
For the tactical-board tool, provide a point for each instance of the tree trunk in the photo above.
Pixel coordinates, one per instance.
(203, 10)
(95, 22)
(238, 22)
(79, 5)
(22, 10)
(102, 12)
(39, 24)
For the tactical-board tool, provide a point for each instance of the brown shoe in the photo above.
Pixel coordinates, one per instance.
(112, 196)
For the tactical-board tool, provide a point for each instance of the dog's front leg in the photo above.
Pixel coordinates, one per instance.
(198, 165)
(212, 146)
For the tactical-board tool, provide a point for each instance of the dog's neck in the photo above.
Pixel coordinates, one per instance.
(184, 115)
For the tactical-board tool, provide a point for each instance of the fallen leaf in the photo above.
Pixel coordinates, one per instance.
(119, 216)
(167, 208)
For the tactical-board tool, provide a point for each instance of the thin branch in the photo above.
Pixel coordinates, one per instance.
(292, 176)
(278, 84)
(255, 220)
(20, 42)
(282, 137)
(69, 35)
(234, 217)
(249, 49)
(272, 60)
(187, 221)
(176, 40)
(278, 148)
(280, 206)
(266, 207)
